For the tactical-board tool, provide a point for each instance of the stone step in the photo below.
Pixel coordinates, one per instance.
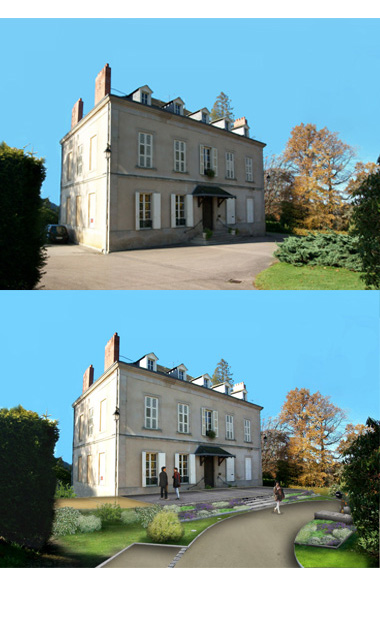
(215, 239)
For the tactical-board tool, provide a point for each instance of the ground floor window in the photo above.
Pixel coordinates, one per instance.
(184, 467)
(180, 215)
(145, 211)
(151, 469)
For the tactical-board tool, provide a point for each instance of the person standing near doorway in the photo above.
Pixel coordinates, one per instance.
(176, 481)
(278, 496)
(163, 482)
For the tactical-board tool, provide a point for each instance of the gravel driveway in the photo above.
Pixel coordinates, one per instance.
(214, 267)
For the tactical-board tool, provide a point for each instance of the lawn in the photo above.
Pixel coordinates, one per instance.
(347, 556)
(90, 550)
(283, 276)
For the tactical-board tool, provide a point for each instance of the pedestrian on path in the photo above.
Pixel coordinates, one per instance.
(278, 496)
(176, 481)
(163, 481)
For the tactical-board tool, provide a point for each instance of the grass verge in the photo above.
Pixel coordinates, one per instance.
(283, 276)
(347, 556)
(90, 550)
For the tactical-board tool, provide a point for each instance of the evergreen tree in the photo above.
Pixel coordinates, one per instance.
(222, 108)
(222, 373)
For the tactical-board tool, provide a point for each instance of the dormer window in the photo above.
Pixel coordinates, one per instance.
(205, 382)
(177, 108)
(226, 389)
(144, 98)
(181, 374)
(204, 117)
(150, 364)
(142, 95)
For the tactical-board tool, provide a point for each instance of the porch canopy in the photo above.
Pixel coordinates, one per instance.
(206, 191)
(203, 451)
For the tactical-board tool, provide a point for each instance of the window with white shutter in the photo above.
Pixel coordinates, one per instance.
(230, 166)
(179, 156)
(145, 153)
(248, 169)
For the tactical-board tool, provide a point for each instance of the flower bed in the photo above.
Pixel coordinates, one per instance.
(203, 510)
(319, 533)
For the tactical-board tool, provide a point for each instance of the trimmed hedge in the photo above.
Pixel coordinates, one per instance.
(324, 249)
(22, 255)
(27, 478)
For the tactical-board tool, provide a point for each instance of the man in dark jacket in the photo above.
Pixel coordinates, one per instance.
(163, 482)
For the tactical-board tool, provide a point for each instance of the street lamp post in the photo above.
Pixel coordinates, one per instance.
(116, 416)
(107, 153)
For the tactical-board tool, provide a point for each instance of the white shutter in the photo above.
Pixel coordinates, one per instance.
(192, 471)
(202, 159)
(189, 210)
(215, 422)
(203, 421)
(230, 210)
(143, 454)
(156, 198)
(137, 209)
(172, 207)
(248, 468)
(161, 462)
(176, 461)
(250, 211)
(230, 470)
(215, 161)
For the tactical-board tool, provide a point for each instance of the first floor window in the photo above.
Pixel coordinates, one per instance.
(229, 427)
(80, 434)
(248, 169)
(230, 166)
(247, 430)
(145, 150)
(151, 412)
(80, 159)
(145, 211)
(209, 421)
(69, 169)
(92, 160)
(180, 215)
(179, 156)
(183, 418)
(151, 469)
(183, 467)
(102, 415)
(90, 422)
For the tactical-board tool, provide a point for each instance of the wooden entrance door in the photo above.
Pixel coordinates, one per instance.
(207, 214)
(209, 471)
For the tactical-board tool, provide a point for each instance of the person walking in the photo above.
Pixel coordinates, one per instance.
(278, 496)
(176, 481)
(163, 482)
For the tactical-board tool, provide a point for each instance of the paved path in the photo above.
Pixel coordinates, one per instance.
(216, 267)
(256, 539)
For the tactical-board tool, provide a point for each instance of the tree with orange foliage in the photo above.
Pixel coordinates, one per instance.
(319, 161)
(314, 427)
(351, 433)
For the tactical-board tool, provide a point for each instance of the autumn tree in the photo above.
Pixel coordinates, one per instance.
(222, 373)
(314, 426)
(366, 226)
(320, 162)
(351, 433)
(222, 108)
(278, 185)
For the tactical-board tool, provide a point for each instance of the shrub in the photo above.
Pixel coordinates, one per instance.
(64, 490)
(66, 521)
(128, 517)
(324, 249)
(27, 486)
(146, 515)
(89, 523)
(108, 513)
(172, 508)
(165, 526)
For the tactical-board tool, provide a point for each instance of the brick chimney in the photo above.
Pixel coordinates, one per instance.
(103, 83)
(241, 127)
(88, 378)
(112, 351)
(240, 122)
(77, 113)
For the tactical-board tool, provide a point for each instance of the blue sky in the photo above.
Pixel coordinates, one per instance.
(277, 72)
(273, 341)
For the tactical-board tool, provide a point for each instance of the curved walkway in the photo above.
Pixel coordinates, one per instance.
(257, 539)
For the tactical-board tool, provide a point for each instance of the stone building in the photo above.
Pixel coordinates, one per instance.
(137, 417)
(141, 172)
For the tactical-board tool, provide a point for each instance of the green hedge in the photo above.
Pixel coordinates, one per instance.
(22, 237)
(27, 478)
(324, 249)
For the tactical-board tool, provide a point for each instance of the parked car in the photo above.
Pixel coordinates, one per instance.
(57, 233)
